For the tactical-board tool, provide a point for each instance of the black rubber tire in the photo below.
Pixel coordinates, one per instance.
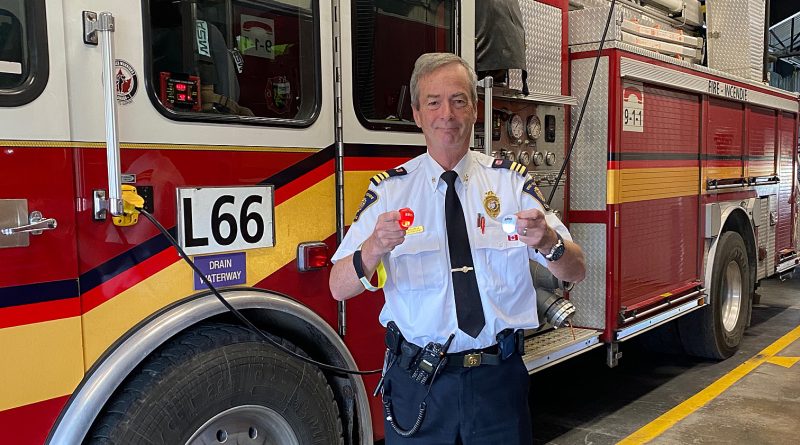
(663, 340)
(702, 332)
(208, 370)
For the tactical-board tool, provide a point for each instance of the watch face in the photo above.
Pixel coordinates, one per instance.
(516, 128)
(557, 251)
(534, 127)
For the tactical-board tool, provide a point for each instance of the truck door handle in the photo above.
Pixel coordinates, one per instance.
(36, 224)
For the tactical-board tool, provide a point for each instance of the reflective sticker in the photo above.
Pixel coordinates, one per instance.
(369, 198)
(221, 270)
(126, 81)
(10, 67)
(278, 94)
(201, 32)
(224, 219)
(257, 37)
(632, 106)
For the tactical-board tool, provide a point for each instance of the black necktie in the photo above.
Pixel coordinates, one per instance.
(465, 285)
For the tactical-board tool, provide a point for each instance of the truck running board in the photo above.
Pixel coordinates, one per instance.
(548, 348)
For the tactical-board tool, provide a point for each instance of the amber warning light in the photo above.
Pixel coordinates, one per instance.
(312, 256)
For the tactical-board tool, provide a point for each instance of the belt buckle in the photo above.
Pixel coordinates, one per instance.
(472, 360)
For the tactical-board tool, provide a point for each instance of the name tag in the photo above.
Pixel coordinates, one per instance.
(415, 229)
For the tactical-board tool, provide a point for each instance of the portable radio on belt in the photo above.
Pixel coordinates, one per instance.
(430, 360)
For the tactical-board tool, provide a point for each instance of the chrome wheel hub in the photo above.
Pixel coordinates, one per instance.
(245, 425)
(731, 296)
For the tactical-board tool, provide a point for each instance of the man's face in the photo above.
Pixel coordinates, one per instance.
(446, 113)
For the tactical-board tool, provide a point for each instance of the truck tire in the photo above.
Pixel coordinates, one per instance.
(716, 330)
(221, 383)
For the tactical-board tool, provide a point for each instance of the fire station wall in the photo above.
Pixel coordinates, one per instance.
(657, 196)
(786, 171)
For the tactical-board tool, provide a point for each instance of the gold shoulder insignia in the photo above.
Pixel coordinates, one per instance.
(510, 165)
(399, 171)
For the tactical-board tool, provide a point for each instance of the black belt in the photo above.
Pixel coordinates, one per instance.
(466, 359)
(475, 357)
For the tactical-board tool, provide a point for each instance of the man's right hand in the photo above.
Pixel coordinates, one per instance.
(385, 237)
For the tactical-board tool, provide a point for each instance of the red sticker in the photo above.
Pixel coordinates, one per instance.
(406, 218)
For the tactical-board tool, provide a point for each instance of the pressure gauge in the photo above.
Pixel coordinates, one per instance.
(534, 127)
(516, 127)
(550, 158)
(538, 158)
(524, 158)
(511, 155)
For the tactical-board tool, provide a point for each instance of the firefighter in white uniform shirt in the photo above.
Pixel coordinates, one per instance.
(460, 287)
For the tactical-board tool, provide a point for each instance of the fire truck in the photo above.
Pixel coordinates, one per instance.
(250, 130)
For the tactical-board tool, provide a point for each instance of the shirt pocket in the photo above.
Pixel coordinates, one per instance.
(419, 264)
(498, 257)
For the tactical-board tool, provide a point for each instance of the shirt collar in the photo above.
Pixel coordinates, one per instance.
(433, 171)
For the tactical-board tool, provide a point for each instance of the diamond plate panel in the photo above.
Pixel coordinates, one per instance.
(756, 50)
(586, 25)
(540, 345)
(589, 160)
(589, 296)
(736, 37)
(542, 48)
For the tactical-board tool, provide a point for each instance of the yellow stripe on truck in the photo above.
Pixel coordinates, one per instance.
(41, 361)
(641, 184)
(308, 216)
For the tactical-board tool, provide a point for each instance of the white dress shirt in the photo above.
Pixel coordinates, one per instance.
(419, 287)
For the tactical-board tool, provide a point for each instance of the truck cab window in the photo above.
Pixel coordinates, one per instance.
(388, 37)
(233, 59)
(23, 51)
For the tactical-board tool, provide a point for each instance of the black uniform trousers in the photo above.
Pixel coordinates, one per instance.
(486, 404)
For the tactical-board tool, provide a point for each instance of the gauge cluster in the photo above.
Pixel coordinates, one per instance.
(532, 134)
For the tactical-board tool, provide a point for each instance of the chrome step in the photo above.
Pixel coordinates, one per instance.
(554, 346)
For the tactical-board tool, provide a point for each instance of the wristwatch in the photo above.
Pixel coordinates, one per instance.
(557, 251)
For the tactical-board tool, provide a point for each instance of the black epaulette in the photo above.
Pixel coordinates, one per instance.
(399, 171)
(531, 189)
(511, 165)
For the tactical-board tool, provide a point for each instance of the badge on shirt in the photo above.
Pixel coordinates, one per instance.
(369, 198)
(491, 203)
(415, 230)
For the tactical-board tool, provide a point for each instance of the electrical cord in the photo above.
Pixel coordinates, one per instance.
(238, 314)
(583, 107)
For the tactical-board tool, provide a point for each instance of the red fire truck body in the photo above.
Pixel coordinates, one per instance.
(251, 128)
(699, 159)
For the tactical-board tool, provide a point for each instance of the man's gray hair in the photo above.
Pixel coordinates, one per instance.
(430, 62)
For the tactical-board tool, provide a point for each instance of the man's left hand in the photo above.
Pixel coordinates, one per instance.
(534, 231)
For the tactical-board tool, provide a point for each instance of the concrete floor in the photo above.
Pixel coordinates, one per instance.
(584, 402)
